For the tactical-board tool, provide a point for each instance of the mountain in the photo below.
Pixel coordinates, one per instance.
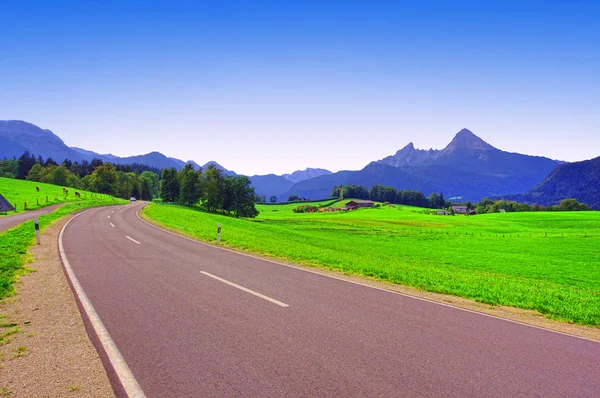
(270, 184)
(17, 136)
(580, 180)
(218, 166)
(301, 175)
(468, 167)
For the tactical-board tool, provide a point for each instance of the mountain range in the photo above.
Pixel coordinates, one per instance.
(17, 136)
(467, 168)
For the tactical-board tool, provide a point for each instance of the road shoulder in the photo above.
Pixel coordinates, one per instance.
(51, 354)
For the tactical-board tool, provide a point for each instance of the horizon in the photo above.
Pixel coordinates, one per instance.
(277, 88)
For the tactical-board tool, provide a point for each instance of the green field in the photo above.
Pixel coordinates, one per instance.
(546, 262)
(19, 192)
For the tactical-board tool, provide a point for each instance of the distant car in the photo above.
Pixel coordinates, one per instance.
(132, 199)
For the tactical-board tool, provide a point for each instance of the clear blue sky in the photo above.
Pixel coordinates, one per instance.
(275, 86)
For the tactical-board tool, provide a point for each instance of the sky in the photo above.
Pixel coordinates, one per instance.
(276, 86)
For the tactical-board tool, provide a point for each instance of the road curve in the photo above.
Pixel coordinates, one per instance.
(12, 220)
(194, 320)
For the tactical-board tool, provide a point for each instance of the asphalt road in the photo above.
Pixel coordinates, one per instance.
(12, 220)
(186, 331)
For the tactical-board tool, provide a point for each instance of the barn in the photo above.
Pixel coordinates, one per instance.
(357, 204)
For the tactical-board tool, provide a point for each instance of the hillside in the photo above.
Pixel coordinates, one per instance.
(467, 167)
(580, 180)
(270, 184)
(17, 136)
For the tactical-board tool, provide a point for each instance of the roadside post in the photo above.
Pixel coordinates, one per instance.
(37, 230)
(218, 234)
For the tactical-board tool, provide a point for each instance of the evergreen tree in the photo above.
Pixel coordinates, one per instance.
(26, 162)
(169, 187)
(213, 182)
(189, 187)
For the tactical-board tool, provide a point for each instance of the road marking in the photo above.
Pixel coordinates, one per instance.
(256, 257)
(133, 240)
(108, 216)
(112, 212)
(112, 225)
(262, 296)
(121, 369)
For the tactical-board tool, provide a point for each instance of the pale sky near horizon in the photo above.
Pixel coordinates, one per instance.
(273, 87)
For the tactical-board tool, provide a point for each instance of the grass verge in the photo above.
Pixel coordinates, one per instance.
(545, 262)
(15, 242)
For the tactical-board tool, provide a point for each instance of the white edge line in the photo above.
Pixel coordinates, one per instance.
(363, 285)
(128, 381)
(262, 296)
(133, 240)
(112, 225)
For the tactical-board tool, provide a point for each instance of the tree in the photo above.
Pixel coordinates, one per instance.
(243, 197)
(136, 189)
(105, 179)
(273, 199)
(37, 173)
(169, 187)
(145, 193)
(213, 188)
(571, 205)
(26, 162)
(293, 198)
(189, 187)
(153, 182)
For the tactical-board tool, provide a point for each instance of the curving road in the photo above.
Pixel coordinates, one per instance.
(194, 320)
(12, 220)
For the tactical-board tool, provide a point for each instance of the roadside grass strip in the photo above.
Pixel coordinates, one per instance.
(15, 242)
(547, 262)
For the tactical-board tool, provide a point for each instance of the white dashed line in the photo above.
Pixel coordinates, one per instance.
(262, 296)
(112, 225)
(133, 240)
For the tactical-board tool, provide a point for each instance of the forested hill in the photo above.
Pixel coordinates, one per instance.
(580, 180)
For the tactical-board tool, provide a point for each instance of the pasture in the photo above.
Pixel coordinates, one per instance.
(19, 192)
(546, 262)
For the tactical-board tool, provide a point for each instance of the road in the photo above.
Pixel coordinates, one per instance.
(194, 320)
(12, 220)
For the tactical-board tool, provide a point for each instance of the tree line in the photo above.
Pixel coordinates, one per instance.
(124, 181)
(211, 188)
(381, 193)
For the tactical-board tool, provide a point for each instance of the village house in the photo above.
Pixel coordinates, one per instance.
(459, 209)
(356, 204)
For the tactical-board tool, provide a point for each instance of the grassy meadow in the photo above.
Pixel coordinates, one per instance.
(546, 262)
(19, 192)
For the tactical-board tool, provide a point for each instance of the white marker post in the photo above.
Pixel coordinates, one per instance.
(218, 234)
(37, 231)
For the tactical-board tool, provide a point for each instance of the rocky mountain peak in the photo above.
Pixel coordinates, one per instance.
(465, 139)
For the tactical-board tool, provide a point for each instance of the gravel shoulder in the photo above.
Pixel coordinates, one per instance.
(51, 355)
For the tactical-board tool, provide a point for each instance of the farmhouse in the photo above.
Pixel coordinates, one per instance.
(459, 209)
(356, 204)
(442, 212)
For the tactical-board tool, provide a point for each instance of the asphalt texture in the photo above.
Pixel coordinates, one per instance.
(12, 220)
(185, 333)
